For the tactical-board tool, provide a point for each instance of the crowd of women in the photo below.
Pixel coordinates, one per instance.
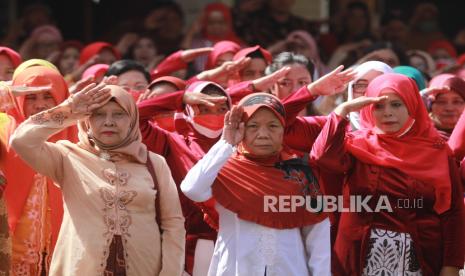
(161, 166)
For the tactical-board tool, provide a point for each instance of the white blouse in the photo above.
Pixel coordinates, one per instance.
(247, 248)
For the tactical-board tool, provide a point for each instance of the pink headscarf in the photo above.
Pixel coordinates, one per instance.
(314, 55)
(12, 55)
(47, 29)
(221, 47)
(95, 71)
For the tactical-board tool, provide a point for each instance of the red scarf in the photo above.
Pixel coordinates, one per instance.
(419, 153)
(95, 48)
(246, 51)
(20, 176)
(244, 181)
(14, 57)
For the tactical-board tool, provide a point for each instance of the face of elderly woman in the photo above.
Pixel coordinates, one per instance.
(446, 110)
(35, 103)
(110, 124)
(263, 133)
(390, 114)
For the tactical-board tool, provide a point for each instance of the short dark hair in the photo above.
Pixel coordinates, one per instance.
(256, 54)
(289, 58)
(212, 89)
(122, 66)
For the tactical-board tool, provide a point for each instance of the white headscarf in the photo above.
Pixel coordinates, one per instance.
(361, 71)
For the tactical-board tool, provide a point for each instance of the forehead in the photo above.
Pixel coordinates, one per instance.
(225, 56)
(145, 40)
(215, 15)
(131, 76)
(47, 37)
(448, 95)
(391, 94)
(111, 105)
(5, 60)
(256, 64)
(370, 75)
(297, 71)
(71, 50)
(164, 86)
(39, 95)
(263, 114)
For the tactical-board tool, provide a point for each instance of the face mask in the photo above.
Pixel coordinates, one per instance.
(210, 126)
(444, 62)
(166, 123)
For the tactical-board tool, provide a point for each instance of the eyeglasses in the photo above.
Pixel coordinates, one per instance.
(359, 89)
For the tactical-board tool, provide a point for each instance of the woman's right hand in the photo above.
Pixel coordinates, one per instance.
(90, 98)
(266, 82)
(227, 69)
(233, 130)
(356, 104)
(332, 83)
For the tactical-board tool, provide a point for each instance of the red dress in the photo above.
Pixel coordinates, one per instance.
(438, 239)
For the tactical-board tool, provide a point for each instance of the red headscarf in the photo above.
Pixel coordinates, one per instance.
(235, 78)
(245, 179)
(416, 150)
(40, 76)
(442, 44)
(226, 12)
(455, 83)
(20, 176)
(96, 71)
(461, 60)
(12, 55)
(94, 48)
(177, 82)
(246, 51)
(438, 80)
(220, 48)
(460, 72)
